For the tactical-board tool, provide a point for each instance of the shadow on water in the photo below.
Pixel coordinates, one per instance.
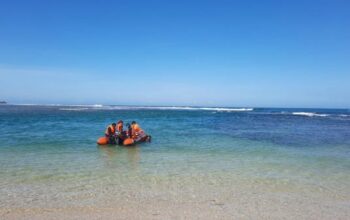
(120, 157)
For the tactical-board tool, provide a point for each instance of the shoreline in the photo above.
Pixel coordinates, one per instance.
(201, 198)
(277, 206)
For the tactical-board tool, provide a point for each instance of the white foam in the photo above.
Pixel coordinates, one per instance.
(24, 104)
(187, 108)
(73, 109)
(309, 114)
(63, 105)
(228, 109)
(85, 106)
(97, 106)
(76, 107)
(162, 107)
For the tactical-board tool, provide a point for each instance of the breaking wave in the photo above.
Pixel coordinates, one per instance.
(196, 108)
(309, 114)
(102, 107)
(73, 109)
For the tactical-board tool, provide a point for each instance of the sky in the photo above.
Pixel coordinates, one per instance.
(247, 53)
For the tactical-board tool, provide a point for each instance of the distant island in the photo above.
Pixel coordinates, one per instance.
(3, 102)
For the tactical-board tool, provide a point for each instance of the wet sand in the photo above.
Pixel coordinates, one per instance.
(207, 201)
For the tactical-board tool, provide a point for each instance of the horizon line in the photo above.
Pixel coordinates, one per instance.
(169, 106)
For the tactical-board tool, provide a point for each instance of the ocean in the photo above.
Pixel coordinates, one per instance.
(207, 162)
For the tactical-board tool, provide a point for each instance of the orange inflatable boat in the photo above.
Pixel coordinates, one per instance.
(102, 141)
(126, 142)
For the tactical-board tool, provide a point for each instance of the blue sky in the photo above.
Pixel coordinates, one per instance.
(211, 53)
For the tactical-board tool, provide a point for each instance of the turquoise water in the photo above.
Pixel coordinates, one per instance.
(49, 156)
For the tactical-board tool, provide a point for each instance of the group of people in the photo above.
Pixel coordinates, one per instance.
(116, 133)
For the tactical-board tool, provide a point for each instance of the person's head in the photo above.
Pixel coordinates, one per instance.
(120, 122)
(133, 122)
(114, 124)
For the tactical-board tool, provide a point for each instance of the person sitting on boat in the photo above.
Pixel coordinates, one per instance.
(110, 133)
(137, 133)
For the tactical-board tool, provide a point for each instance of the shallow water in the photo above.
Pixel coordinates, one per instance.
(49, 156)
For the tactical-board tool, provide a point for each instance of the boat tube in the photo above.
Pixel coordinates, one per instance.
(124, 142)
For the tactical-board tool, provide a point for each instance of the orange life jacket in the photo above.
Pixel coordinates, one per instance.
(112, 130)
(136, 128)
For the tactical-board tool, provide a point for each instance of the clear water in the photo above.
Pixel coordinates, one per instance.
(49, 156)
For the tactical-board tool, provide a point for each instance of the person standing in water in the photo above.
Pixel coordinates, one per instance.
(110, 133)
(120, 126)
(129, 131)
(120, 132)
